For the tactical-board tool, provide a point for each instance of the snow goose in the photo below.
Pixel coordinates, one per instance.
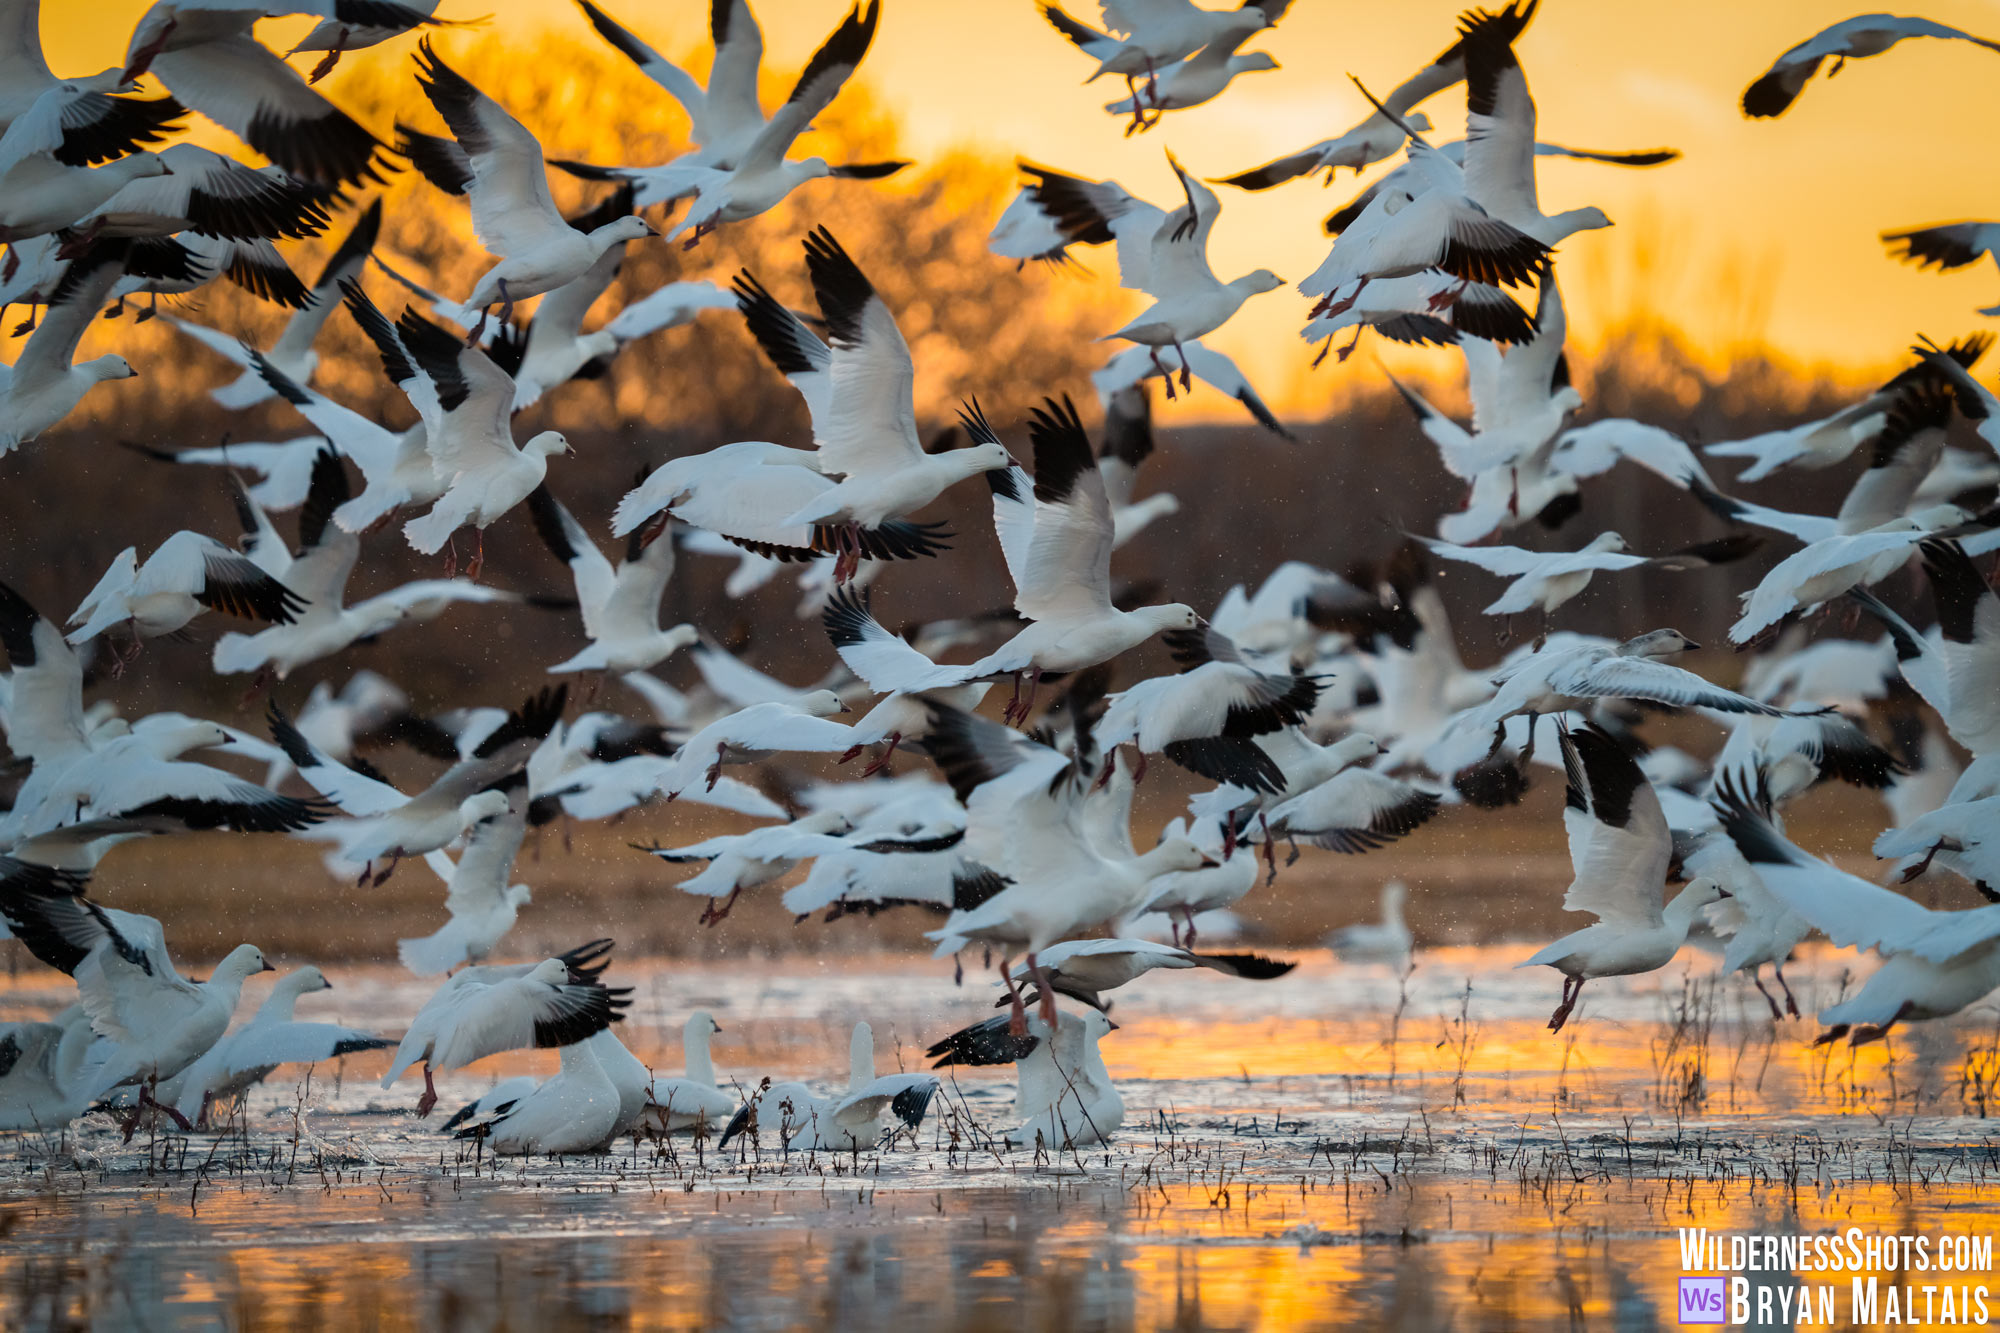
(726, 115)
(1084, 969)
(1500, 130)
(277, 473)
(1205, 718)
(1132, 367)
(1387, 940)
(868, 434)
(1430, 308)
(1354, 811)
(762, 175)
(843, 1122)
(486, 1009)
(739, 861)
(1200, 78)
(81, 121)
(1343, 217)
(867, 648)
(1559, 679)
(389, 825)
(1431, 222)
(43, 1073)
(1833, 565)
(1183, 898)
(1064, 1094)
(620, 606)
(512, 211)
(1593, 450)
(1547, 579)
(909, 852)
(466, 402)
(694, 1099)
(1025, 821)
(272, 1037)
(1963, 838)
(574, 1112)
(207, 58)
(1793, 753)
(1950, 246)
(1774, 91)
(1379, 135)
(319, 573)
(1152, 34)
(1756, 927)
(292, 355)
(46, 383)
(754, 734)
(45, 195)
(479, 901)
(1620, 849)
(1126, 443)
(396, 467)
(1935, 963)
(357, 29)
(1056, 538)
(186, 575)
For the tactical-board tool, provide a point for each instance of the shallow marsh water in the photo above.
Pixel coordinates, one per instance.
(1339, 1148)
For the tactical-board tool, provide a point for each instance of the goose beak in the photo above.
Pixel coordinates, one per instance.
(267, 968)
(1109, 1024)
(1207, 864)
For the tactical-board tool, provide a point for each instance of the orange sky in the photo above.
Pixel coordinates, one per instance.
(1765, 234)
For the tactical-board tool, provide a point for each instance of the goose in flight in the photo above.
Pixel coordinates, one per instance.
(1084, 969)
(467, 404)
(1148, 35)
(512, 211)
(292, 355)
(46, 382)
(621, 605)
(481, 905)
(1952, 245)
(1201, 78)
(206, 56)
(1132, 367)
(1774, 91)
(79, 121)
(1620, 848)
(186, 574)
(1547, 579)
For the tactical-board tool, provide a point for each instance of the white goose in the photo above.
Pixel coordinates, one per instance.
(1620, 849)
(839, 1123)
(1132, 367)
(576, 1111)
(620, 606)
(47, 382)
(1064, 1094)
(695, 1098)
(247, 1056)
(739, 861)
(512, 210)
(44, 1080)
(1774, 91)
(186, 575)
(1084, 969)
(481, 904)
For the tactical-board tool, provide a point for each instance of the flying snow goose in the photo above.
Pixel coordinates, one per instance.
(1132, 367)
(1343, 217)
(1547, 579)
(272, 1037)
(1594, 449)
(45, 195)
(1025, 822)
(1125, 444)
(467, 405)
(739, 861)
(620, 606)
(1935, 962)
(47, 382)
(1963, 837)
(1559, 679)
(1833, 565)
(1084, 969)
(1500, 130)
(44, 1081)
(1183, 900)
(752, 735)
(185, 575)
(694, 1098)
(81, 120)
(319, 573)
(762, 176)
(1431, 222)
(1950, 246)
(208, 59)
(1430, 308)
(512, 211)
(1064, 1094)
(356, 29)
(1756, 927)
(389, 825)
(726, 115)
(843, 1122)
(1354, 811)
(1205, 718)
(575, 1111)
(866, 647)
(1791, 754)
(1620, 849)
(292, 355)
(1387, 940)
(485, 1010)
(1202, 77)
(868, 435)
(1774, 91)
(1379, 135)
(480, 903)
(1056, 538)
(1153, 34)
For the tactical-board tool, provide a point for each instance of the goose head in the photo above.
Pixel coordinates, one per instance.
(245, 960)
(986, 456)
(306, 980)
(482, 805)
(671, 641)
(1608, 541)
(1657, 643)
(1253, 61)
(518, 896)
(631, 227)
(1173, 615)
(701, 1025)
(1579, 219)
(820, 703)
(112, 367)
(547, 444)
(1263, 280)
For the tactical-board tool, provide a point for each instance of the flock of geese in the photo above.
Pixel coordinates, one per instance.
(1317, 710)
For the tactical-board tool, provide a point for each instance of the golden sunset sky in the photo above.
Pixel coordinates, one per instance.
(1763, 237)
